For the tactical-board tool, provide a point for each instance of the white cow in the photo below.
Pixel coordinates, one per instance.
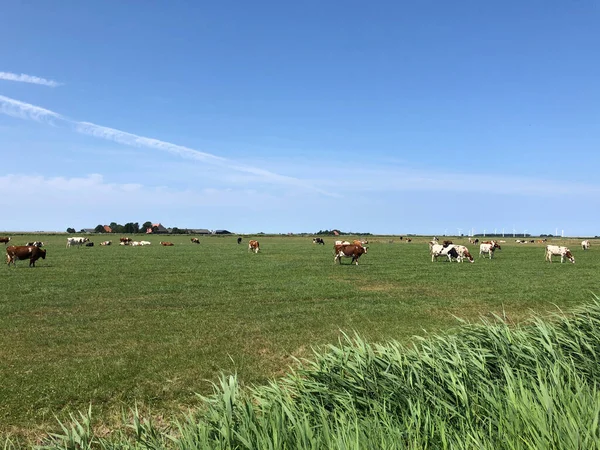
(342, 243)
(437, 250)
(555, 250)
(135, 244)
(488, 249)
(78, 241)
(145, 242)
(585, 245)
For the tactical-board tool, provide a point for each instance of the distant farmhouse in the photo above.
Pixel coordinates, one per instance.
(197, 231)
(157, 228)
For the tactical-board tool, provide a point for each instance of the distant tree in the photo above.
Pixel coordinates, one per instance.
(136, 227)
(147, 225)
(71, 230)
(99, 229)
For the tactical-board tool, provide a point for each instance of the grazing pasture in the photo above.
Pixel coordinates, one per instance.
(115, 325)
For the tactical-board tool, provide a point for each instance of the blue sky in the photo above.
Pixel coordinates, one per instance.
(387, 117)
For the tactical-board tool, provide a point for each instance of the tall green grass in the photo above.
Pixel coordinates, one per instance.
(488, 386)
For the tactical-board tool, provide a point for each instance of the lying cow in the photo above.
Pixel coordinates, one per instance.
(32, 252)
(195, 240)
(36, 243)
(167, 244)
(348, 251)
(106, 243)
(89, 244)
(142, 243)
(253, 246)
(318, 241)
(78, 241)
(127, 240)
(585, 245)
(555, 250)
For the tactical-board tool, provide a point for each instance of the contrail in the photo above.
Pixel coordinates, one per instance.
(22, 110)
(24, 78)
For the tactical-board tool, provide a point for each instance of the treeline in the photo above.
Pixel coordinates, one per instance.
(339, 233)
(130, 228)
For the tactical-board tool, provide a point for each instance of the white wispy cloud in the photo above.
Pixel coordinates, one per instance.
(24, 78)
(22, 110)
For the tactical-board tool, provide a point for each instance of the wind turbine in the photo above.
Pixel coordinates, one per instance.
(502, 232)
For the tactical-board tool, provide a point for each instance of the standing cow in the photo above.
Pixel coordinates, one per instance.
(239, 240)
(195, 240)
(32, 252)
(585, 245)
(318, 241)
(253, 246)
(563, 252)
(5, 240)
(348, 251)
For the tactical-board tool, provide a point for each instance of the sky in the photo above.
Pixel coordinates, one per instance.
(385, 117)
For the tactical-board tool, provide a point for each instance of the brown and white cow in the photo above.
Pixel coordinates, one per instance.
(5, 240)
(127, 240)
(167, 244)
(31, 252)
(106, 243)
(585, 245)
(463, 253)
(195, 240)
(488, 248)
(348, 251)
(253, 246)
(555, 250)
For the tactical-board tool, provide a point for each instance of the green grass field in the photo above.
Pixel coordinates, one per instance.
(113, 326)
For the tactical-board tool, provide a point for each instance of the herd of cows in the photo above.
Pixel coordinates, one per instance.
(342, 249)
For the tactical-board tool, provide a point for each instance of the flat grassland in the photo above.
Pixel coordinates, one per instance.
(115, 326)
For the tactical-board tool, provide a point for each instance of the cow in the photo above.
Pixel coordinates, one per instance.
(5, 240)
(36, 243)
(253, 246)
(195, 240)
(361, 243)
(437, 250)
(348, 251)
(585, 245)
(342, 243)
(463, 252)
(239, 240)
(16, 252)
(142, 243)
(564, 253)
(167, 244)
(446, 243)
(106, 243)
(408, 240)
(318, 241)
(135, 244)
(488, 248)
(78, 241)
(127, 240)
(89, 244)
